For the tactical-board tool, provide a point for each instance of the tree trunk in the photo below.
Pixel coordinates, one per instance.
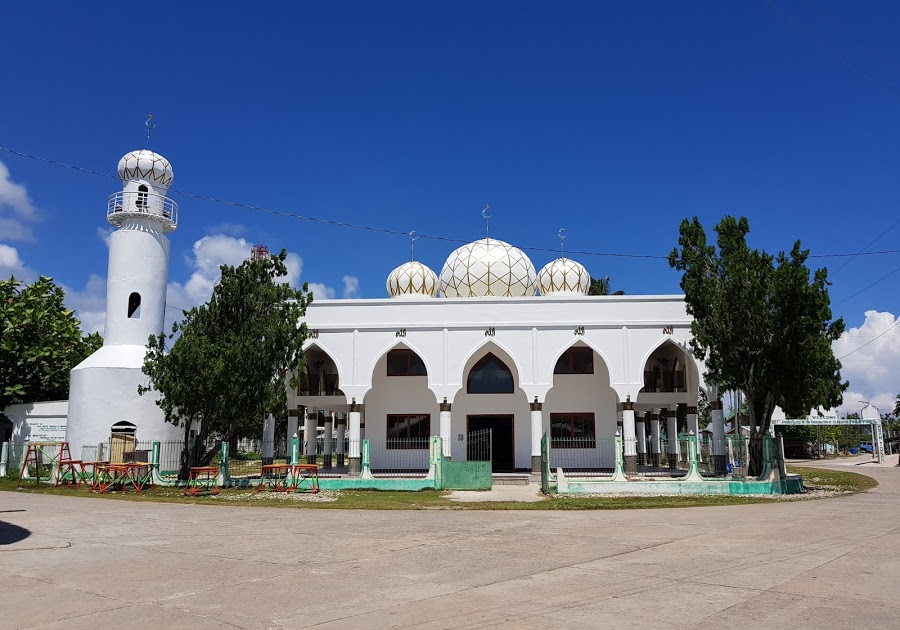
(756, 453)
(184, 469)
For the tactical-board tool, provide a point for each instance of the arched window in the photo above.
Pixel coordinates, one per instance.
(403, 362)
(134, 306)
(577, 360)
(490, 376)
(142, 197)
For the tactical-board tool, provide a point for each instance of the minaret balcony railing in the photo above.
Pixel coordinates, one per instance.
(129, 204)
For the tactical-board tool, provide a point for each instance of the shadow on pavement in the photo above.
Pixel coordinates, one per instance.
(10, 533)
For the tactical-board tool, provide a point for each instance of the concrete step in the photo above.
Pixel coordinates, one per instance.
(510, 479)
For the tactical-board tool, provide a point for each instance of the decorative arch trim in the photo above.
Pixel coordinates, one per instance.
(580, 342)
(488, 343)
(490, 375)
(398, 345)
(337, 366)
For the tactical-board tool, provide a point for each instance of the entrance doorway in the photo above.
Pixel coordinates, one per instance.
(502, 439)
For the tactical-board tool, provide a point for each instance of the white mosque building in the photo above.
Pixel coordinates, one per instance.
(493, 344)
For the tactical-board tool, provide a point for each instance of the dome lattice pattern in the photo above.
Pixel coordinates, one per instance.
(488, 267)
(564, 276)
(412, 279)
(147, 165)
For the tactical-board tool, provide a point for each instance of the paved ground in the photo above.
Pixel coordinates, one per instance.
(91, 563)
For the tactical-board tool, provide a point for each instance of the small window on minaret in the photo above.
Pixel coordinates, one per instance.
(142, 197)
(134, 306)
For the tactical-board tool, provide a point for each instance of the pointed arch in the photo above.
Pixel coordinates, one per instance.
(575, 343)
(490, 345)
(395, 345)
(490, 375)
(689, 363)
(316, 345)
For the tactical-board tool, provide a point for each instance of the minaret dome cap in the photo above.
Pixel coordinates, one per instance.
(145, 164)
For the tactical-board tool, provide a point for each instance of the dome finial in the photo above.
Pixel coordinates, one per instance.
(562, 241)
(413, 237)
(487, 218)
(149, 128)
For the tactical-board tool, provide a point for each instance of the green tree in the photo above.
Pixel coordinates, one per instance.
(40, 342)
(228, 358)
(762, 323)
(600, 286)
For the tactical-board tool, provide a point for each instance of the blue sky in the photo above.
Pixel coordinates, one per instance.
(614, 120)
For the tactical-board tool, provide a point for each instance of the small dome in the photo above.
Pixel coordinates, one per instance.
(488, 267)
(412, 280)
(146, 164)
(564, 277)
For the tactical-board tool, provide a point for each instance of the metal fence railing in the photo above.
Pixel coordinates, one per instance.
(583, 456)
(15, 455)
(478, 446)
(400, 457)
(728, 456)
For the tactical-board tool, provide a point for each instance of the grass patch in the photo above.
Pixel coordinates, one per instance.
(833, 480)
(815, 478)
(389, 500)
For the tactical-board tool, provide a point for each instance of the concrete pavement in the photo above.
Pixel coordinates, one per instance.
(91, 563)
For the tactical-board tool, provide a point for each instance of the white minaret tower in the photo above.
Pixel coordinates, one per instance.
(103, 389)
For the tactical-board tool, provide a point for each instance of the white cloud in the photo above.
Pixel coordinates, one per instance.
(104, 233)
(10, 263)
(351, 287)
(320, 291)
(229, 229)
(89, 303)
(872, 369)
(15, 230)
(16, 209)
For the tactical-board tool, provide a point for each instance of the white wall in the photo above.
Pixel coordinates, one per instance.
(39, 422)
(138, 262)
(586, 393)
(396, 395)
(103, 391)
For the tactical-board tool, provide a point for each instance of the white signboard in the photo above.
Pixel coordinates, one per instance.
(53, 430)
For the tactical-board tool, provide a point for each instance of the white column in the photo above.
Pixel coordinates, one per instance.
(693, 420)
(445, 427)
(672, 434)
(355, 421)
(309, 435)
(329, 438)
(537, 432)
(628, 436)
(341, 435)
(654, 439)
(268, 439)
(292, 424)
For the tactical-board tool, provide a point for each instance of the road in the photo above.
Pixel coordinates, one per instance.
(90, 563)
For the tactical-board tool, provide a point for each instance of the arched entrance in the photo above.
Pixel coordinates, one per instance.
(579, 412)
(670, 389)
(491, 400)
(401, 413)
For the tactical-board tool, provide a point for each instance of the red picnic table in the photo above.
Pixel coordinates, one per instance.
(202, 480)
(289, 478)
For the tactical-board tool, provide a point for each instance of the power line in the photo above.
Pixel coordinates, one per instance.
(382, 230)
(864, 289)
(870, 341)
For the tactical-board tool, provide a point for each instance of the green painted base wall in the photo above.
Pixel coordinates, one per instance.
(466, 475)
(413, 485)
(789, 485)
